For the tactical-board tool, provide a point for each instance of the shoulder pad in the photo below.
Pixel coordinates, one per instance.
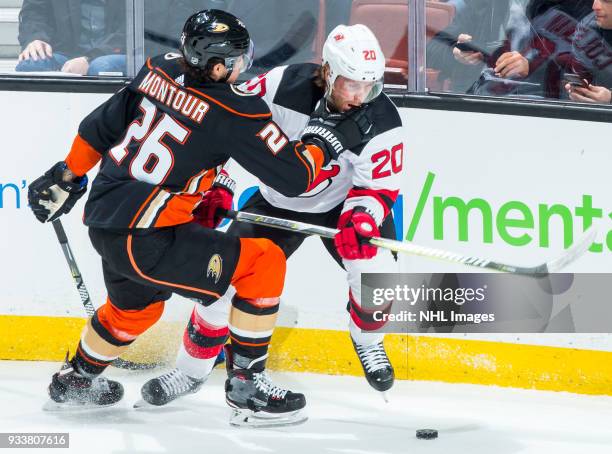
(226, 97)
(168, 63)
(384, 114)
(297, 90)
(164, 64)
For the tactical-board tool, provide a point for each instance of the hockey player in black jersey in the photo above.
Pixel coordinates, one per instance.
(151, 210)
(354, 192)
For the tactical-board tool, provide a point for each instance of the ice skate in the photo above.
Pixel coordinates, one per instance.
(166, 388)
(258, 402)
(69, 390)
(376, 366)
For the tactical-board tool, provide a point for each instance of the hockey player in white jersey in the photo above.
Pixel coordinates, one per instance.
(354, 194)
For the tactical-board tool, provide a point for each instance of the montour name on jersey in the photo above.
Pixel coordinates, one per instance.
(169, 94)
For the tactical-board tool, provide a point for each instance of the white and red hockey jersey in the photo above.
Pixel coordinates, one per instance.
(369, 179)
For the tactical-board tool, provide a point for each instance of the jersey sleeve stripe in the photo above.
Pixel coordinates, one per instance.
(82, 157)
(177, 210)
(197, 182)
(205, 183)
(142, 207)
(165, 209)
(309, 168)
(154, 209)
(317, 156)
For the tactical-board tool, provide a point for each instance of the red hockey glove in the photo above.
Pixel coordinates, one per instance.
(356, 226)
(218, 197)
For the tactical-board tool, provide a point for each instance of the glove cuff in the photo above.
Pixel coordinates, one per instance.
(77, 185)
(328, 140)
(223, 180)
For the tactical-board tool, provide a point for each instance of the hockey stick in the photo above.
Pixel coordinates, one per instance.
(552, 266)
(84, 294)
(74, 269)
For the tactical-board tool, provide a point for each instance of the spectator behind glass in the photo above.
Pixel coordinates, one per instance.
(549, 46)
(458, 4)
(85, 37)
(592, 55)
(483, 23)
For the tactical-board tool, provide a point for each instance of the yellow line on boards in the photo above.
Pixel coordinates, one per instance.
(331, 352)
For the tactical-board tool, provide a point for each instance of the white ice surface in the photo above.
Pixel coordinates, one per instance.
(345, 417)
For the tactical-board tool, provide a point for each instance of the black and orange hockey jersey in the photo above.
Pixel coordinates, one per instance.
(162, 140)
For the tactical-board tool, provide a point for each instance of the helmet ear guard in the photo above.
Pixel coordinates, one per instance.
(353, 52)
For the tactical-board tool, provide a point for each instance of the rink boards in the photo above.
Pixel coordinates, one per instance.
(467, 176)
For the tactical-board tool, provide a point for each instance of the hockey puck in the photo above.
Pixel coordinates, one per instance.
(427, 434)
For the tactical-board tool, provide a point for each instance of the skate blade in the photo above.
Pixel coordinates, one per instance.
(385, 396)
(263, 420)
(72, 407)
(144, 405)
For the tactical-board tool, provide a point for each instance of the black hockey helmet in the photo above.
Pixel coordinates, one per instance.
(215, 33)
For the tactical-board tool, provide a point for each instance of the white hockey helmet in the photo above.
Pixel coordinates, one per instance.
(352, 51)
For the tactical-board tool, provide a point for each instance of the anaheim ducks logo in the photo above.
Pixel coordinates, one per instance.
(215, 267)
(218, 27)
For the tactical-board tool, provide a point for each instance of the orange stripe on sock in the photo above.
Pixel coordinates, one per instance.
(89, 360)
(263, 344)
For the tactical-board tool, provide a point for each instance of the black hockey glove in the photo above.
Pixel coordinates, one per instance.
(50, 197)
(336, 133)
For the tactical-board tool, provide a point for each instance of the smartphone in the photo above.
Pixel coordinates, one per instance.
(468, 47)
(575, 80)
(486, 50)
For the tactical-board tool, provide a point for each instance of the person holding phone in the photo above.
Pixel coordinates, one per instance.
(592, 56)
(477, 38)
(549, 46)
(508, 64)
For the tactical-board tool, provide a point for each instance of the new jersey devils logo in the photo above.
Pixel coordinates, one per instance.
(323, 180)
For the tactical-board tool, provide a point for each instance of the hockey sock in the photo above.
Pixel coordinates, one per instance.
(109, 333)
(204, 337)
(96, 349)
(251, 325)
(362, 323)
